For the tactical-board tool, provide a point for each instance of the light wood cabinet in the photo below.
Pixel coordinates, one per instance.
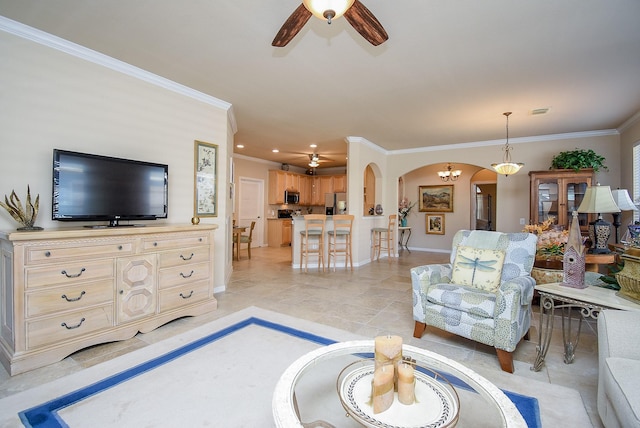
(322, 184)
(340, 183)
(558, 193)
(305, 190)
(312, 188)
(277, 186)
(279, 232)
(64, 290)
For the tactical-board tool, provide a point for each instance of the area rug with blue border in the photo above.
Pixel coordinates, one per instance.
(220, 374)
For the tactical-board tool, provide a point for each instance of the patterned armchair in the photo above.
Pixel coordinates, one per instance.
(498, 317)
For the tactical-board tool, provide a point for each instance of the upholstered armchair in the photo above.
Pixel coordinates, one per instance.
(483, 294)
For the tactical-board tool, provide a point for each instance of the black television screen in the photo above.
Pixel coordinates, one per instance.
(89, 187)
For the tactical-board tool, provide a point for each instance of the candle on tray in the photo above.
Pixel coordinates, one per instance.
(382, 388)
(388, 350)
(406, 383)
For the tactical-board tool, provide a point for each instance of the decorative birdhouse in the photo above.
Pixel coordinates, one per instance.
(574, 257)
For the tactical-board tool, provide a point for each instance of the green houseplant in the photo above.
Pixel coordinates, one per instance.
(578, 159)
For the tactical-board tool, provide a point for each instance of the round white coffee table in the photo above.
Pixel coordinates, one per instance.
(307, 389)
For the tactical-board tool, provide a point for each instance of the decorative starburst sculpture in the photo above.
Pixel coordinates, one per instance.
(27, 216)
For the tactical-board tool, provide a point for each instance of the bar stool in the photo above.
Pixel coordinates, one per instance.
(379, 242)
(340, 240)
(313, 233)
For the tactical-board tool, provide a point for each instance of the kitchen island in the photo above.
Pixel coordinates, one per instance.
(298, 226)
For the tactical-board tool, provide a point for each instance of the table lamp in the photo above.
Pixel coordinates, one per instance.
(598, 200)
(624, 202)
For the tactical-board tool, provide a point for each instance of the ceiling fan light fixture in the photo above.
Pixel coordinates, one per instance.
(507, 167)
(327, 10)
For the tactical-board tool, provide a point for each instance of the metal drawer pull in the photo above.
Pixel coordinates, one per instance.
(75, 299)
(186, 297)
(186, 258)
(64, 272)
(71, 327)
(47, 253)
(186, 276)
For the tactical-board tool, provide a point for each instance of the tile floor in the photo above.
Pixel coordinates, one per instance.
(371, 300)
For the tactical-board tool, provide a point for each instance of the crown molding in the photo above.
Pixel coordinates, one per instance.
(629, 122)
(29, 33)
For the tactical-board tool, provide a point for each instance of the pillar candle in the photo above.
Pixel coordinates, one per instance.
(406, 384)
(388, 350)
(382, 388)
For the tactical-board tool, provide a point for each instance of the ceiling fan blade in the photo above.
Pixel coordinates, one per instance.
(291, 27)
(366, 24)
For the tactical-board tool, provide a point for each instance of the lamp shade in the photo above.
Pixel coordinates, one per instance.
(319, 7)
(622, 200)
(598, 199)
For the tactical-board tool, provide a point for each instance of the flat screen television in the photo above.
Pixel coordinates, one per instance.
(89, 187)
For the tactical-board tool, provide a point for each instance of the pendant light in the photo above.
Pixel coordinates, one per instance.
(449, 174)
(506, 167)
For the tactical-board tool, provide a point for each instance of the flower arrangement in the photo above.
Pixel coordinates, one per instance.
(551, 240)
(405, 208)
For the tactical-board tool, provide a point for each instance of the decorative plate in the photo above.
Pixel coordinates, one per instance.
(436, 405)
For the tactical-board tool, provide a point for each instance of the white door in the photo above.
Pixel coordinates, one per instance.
(251, 208)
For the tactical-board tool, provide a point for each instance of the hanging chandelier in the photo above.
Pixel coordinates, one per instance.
(449, 174)
(507, 167)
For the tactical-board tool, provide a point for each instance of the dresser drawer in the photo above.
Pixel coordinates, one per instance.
(182, 240)
(69, 298)
(183, 256)
(68, 326)
(78, 250)
(183, 295)
(64, 273)
(187, 274)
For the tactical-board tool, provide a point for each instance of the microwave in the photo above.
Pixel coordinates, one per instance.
(291, 197)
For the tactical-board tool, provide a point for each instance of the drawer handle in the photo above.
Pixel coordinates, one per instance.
(186, 276)
(73, 299)
(186, 258)
(119, 247)
(186, 297)
(47, 253)
(71, 327)
(155, 244)
(200, 239)
(75, 275)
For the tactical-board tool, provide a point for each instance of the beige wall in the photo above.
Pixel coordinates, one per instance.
(51, 99)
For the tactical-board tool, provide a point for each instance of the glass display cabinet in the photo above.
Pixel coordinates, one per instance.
(558, 193)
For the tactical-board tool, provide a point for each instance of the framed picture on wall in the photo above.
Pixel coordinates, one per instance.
(435, 224)
(205, 181)
(435, 198)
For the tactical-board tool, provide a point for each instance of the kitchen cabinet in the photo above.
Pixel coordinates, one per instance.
(277, 186)
(71, 288)
(558, 193)
(340, 183)
(305, 190)
(322, 184)
(279, 232)
(312, 188)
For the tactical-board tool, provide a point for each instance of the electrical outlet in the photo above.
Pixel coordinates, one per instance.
(522, 221)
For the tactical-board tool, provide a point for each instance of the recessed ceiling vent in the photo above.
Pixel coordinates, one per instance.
(539, 111)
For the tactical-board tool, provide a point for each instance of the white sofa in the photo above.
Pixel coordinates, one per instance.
(619, 368)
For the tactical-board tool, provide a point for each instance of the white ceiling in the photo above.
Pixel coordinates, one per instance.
(445, 76)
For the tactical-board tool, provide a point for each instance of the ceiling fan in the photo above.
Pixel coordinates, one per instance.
(360, 18)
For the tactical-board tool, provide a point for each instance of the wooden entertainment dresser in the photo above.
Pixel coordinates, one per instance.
(65, 289)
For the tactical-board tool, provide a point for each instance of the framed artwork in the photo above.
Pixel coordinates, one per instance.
(206, 178)
(435, 224)
(435, 198)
